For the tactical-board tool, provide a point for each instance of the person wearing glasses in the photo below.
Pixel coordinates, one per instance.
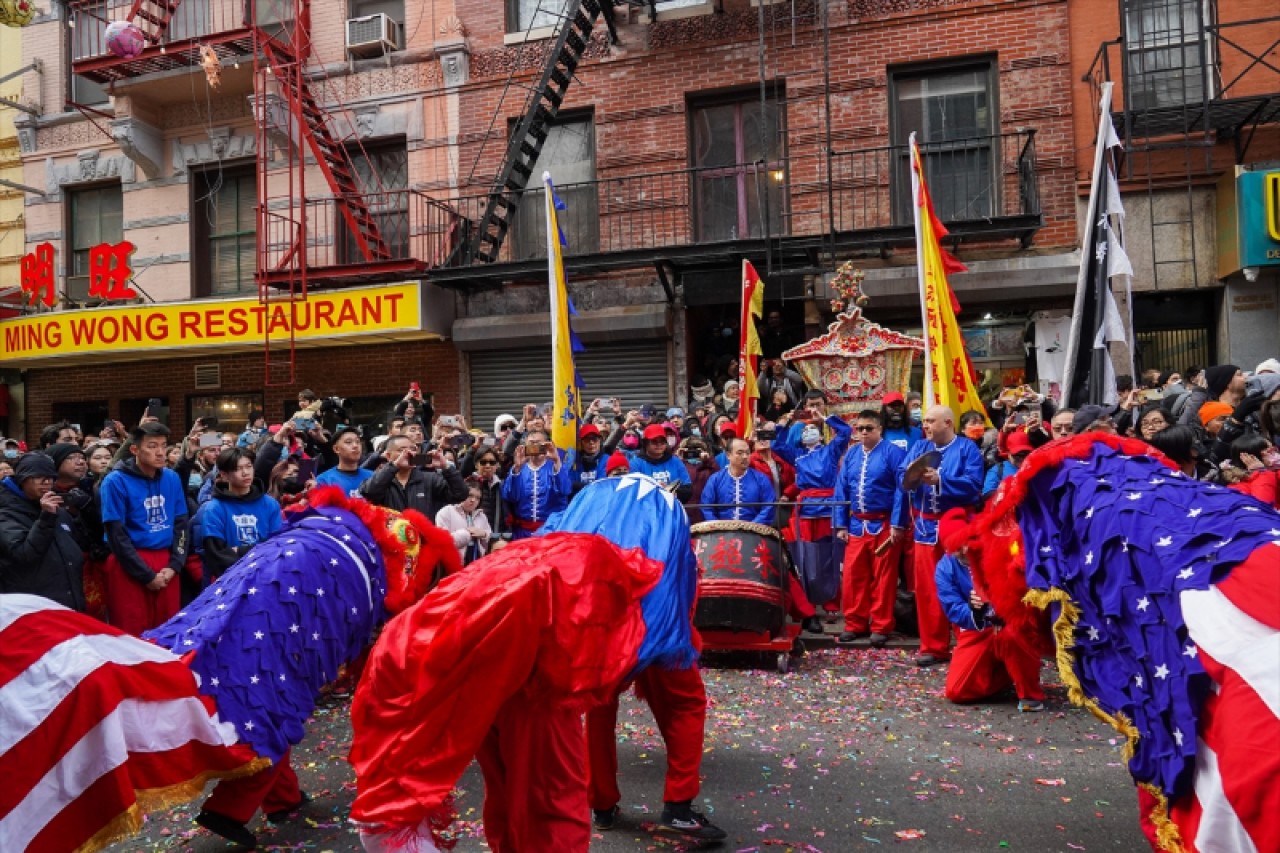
(488, 479)
(1153, 420)
(867, 500)
(537, 486)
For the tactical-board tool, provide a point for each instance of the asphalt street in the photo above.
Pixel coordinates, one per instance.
(852, 750)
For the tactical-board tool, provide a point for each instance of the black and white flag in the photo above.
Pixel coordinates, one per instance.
(1095, 320)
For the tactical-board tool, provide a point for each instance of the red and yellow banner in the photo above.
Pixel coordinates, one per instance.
(749, 354)
(949, 378)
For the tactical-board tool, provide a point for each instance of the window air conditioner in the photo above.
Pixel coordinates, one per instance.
(372, 35)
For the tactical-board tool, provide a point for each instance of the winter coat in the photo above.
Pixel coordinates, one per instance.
(40, 554)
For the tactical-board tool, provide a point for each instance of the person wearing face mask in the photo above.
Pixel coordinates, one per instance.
(956, 481)
(897, 421)
(817, 553)
(12, 449)
(655, 459)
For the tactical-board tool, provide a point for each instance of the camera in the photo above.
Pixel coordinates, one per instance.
(78, 498)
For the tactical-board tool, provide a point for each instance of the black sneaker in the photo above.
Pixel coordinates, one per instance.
(846, 637)
(683, 819)
(927, 660)
(604, 820)
(232, 830)
(879, 641)
(813, 625)
(281, 815)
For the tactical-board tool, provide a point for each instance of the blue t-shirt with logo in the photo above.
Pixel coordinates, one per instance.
(240, 523)
(348, 481)
(148, 508)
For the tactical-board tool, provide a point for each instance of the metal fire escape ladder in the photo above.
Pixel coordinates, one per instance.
(331, 155)
(152, 17)
(574, 33)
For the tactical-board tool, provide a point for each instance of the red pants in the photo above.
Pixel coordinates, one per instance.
(678, 700)
(799, 607)
(987, 661)
(132, 607)
(869, 584)
(935, 630)
(535, 796)
(273, 789)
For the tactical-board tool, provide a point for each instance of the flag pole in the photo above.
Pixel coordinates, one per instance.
(920, 268)
(1076, 338)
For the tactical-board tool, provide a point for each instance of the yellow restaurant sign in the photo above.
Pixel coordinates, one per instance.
(237, 323)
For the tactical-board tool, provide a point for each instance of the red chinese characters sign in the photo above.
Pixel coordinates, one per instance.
(109, 273)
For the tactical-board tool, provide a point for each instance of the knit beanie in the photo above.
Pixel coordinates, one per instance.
(1218, 377)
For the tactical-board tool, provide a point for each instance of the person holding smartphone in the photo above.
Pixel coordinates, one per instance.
(412, 479)
(42, 547)
(537, 486)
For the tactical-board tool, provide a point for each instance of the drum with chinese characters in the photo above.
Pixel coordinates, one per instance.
(741, 570)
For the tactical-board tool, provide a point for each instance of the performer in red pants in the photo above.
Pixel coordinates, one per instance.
(989, 655)
(534, 792)
(678, 700)
(949, 476)
(234, 802)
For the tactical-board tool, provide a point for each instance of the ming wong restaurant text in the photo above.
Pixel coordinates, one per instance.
(214, 323)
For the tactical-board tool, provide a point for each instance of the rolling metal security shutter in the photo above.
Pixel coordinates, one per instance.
(504, 380)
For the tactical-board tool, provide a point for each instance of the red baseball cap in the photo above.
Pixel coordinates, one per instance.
(1018, 442)
(654, 431)
(616, 461)
(589, 430)
(728, 427)
(892, 397)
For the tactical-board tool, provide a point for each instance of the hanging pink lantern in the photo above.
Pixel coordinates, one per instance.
(124, 39)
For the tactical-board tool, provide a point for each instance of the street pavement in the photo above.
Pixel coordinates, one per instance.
(854, 749)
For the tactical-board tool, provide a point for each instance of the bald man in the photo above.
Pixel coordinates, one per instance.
(955, 482)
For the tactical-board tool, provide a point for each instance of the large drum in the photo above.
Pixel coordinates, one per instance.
(741, 582)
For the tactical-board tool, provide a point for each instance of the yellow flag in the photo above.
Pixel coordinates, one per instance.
(566, 405)
(949, 378)
(749, 353)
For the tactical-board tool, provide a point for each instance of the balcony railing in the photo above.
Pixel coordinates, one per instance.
(419, 232)
(223, 25)
(985, 188)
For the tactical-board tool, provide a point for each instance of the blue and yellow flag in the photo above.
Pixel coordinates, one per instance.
(566, 386)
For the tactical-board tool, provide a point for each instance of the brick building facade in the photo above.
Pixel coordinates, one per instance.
(711, 133)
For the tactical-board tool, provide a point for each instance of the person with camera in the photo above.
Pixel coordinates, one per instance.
(409, 478)
(701, 465)
(586, 463)
(42, 547)
(532, 421)
(537, 486)
(144, 513)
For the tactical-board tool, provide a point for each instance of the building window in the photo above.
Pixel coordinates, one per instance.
(525, 15)
(231, 410)
(382, 176)
(224, 230)
(569, 154)
(84, 41)
(953, 113)
(1164, 52)
(96, 216)
(739, 168)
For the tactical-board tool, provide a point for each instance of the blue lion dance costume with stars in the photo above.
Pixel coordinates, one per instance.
(1165, 599)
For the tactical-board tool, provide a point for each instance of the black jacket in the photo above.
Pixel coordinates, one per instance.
(40, 554)
(426, 491)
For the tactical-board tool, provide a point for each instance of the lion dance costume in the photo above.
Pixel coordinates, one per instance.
(1165, 598)
(97, 727)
